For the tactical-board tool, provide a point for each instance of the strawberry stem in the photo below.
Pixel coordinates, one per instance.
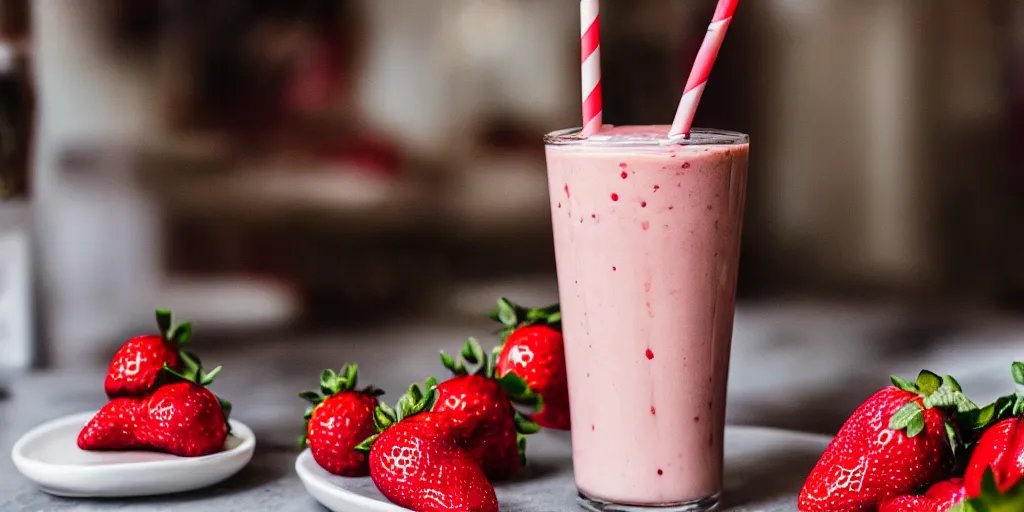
(176, 336)
(163, 321)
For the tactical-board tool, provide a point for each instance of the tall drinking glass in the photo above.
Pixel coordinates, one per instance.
(647, 238)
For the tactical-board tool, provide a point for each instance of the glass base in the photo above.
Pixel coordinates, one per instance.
(707, 504)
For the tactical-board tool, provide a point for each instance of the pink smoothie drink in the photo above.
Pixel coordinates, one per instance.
(647, 238)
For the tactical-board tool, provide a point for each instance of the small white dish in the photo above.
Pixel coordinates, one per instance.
(339, 493)
(49, 456)
(764, 471)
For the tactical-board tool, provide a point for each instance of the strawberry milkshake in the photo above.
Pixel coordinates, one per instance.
(647, 238)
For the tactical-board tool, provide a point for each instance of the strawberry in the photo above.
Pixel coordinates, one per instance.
(184, 418)
(339, 420)
(992, 499)
(417, 462)
(136, 368)
(112, 428)
(1001, 446)
(939, 498)
(534, 351)
(494, 432)
(899, 440)
(907, 503)
(948, 492)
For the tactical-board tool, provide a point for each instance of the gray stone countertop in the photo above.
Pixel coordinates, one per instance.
(795, 366)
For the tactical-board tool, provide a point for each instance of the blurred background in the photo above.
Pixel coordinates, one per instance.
(267, 167)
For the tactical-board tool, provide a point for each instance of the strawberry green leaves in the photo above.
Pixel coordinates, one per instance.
(413, 402)
(949, 395)
(332, 383)
(904, 384)
(163, 321)
(927, 382)
(1002, 408)
(525, 425)
(513, 316)
(416, 400)
(175, 335)
(937, 392)
(193, 370)
(981, 418)
(472, 352)
(1017, 369)
(519, 391)
(473, 360)
(456, 366)
(910, 417)
(521, 446)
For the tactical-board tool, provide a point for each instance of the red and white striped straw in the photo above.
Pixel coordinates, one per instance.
(702, 67)
(590, 52)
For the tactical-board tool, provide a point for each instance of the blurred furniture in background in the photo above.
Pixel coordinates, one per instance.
(17, 266)
(882, 160)
(333, 162)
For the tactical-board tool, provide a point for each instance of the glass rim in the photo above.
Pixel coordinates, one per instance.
(698, 137)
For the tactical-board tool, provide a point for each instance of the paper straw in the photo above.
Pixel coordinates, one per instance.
(590, 51)
(702, 68)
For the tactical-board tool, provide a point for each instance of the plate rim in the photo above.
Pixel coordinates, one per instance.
(25, 464)
(309, 478)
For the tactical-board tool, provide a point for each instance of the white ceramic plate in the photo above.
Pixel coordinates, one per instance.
(764, 470)
(49, 456)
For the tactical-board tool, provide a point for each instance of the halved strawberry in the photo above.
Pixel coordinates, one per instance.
(338, 420)
(137, 367)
